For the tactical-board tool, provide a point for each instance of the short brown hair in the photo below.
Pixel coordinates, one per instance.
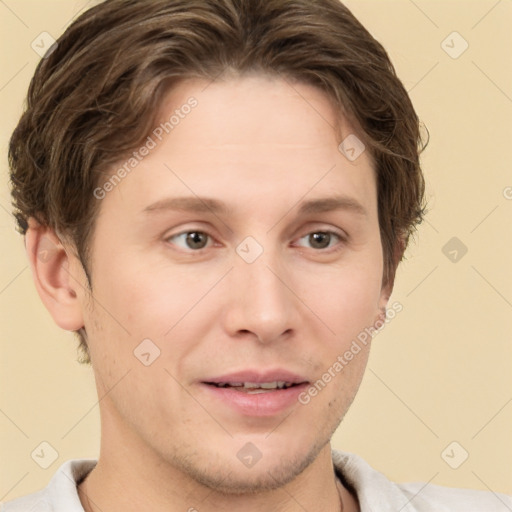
(95, 97)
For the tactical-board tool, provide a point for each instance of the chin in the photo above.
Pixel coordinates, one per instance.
(224, 472)
(238, 479)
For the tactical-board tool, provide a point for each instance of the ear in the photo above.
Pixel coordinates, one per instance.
(387, 285)
(385, 294)
(50, 265)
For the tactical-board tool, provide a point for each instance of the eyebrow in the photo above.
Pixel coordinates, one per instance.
(332, 203)
(189, 204)
(205, 204)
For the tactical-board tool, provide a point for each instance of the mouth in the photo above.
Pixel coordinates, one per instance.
(254, 388)
(255, 392)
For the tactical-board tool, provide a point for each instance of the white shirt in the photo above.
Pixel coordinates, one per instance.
(374, 491)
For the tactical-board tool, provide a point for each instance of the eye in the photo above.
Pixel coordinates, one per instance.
(195, 240)
(322, 239)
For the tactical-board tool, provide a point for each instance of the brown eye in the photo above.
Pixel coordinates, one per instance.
(195, 240)
(321, 239)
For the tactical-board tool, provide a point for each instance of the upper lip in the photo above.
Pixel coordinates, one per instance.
(258, 377)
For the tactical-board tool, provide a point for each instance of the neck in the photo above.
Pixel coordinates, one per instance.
(131, 476)
(126, 490)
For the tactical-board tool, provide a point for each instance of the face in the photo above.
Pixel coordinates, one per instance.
(242, 251)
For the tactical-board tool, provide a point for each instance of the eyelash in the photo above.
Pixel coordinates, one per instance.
(341, 239)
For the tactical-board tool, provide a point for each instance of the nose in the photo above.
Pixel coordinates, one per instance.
(260, 301)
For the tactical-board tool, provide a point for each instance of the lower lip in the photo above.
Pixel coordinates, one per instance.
(268, 403)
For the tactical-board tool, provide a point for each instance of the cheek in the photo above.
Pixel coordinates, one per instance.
(134, 305)
(136, 300)
(345, 299)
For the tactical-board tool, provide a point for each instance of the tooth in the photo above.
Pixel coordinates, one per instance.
(280, 384)
(268, 385)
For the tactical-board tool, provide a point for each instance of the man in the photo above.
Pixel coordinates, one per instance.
(215, 195)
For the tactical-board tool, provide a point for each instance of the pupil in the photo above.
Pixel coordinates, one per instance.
(194, 240)
(318, 240)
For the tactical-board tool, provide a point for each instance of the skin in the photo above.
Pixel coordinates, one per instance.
(263, 147)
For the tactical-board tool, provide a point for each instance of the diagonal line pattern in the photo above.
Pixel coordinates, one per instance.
(6, 211)
(13, 279)
(497, 497)
(300, 199)
(14, 76)
(432, 226)
(187, 312)
(291, 496)
(299, 94)
(423, 77)
(493, 287)
(423, 280)
(89, 499)
(213, 490)
(212, 80)
(485, 218)
(491, 80)
(198, 402)
(68, 22)
(98, 302)
(332, 332)
(281, 422)
(406, 405)
(412, 497)
(14, 423)
(485, 15)
(213, 213)
(501, 409)
(95, 404)
(424, 13)
(7, 7)
(10, 490)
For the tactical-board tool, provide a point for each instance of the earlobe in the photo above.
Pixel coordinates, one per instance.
(380, 317)
(385, 294)
(50, 265)
(387, 286)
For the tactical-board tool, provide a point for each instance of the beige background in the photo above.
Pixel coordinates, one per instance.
(439, 372)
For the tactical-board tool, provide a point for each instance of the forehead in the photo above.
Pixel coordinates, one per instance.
(248, 138)
(260, 108)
